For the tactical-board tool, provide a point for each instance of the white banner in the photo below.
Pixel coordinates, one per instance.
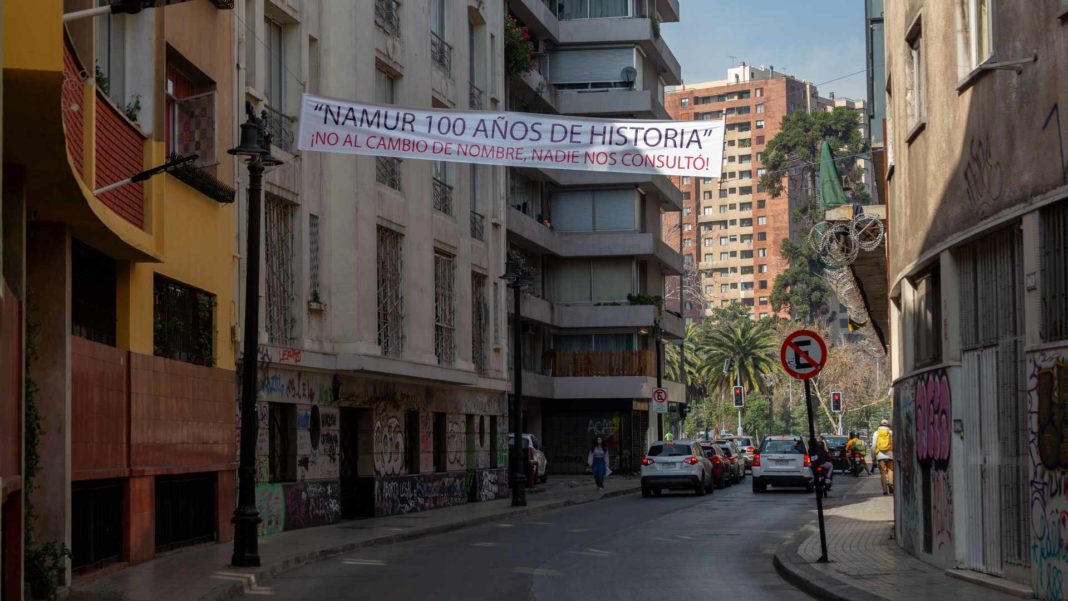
(693, 148)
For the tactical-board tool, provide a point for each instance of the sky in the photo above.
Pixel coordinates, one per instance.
(817, 40)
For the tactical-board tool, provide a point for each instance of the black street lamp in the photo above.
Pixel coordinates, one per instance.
(517, 277)
(255, 146)
(659, 337)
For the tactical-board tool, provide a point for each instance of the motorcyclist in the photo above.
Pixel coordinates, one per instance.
(824, 461)
(855, 446)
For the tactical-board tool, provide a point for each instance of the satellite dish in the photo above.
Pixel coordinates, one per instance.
(629, 74)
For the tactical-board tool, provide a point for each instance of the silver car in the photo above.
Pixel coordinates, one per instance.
(782, 461)
(676, 465)
(747, 447)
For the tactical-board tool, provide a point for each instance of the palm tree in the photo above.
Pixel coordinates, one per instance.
(749, 344)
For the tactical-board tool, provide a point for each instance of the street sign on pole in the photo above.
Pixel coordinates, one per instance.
(660, 400)
(803, 355)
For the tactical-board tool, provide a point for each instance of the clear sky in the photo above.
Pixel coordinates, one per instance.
(817, 40)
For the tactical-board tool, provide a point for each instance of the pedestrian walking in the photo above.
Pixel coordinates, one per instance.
(882, 444)
(598, 460)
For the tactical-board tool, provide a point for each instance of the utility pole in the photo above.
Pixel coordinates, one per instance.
(659, 376)
(738, 382)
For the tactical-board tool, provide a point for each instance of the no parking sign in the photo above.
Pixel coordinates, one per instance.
(803, 354)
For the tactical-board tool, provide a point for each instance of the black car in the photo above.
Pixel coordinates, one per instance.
(836, 445)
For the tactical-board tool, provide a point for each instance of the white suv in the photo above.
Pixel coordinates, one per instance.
(676, 465)
(782, 461)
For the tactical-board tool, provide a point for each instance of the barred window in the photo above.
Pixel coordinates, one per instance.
(1054, 283)
(479, 321)
(313, 257)
(280, 214)
(390, 292)
(444, 307)
(183, 322)
(924, 316)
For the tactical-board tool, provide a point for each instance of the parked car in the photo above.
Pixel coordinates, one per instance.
(747, 447)
(676, 465)
(782, 461)
(720, 469)
(735, 462)
(535, 455)
(836, 445)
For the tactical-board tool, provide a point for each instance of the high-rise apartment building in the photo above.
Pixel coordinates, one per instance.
(732, 229)
(594, 239)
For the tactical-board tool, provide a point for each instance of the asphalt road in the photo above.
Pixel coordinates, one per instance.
(675, 546)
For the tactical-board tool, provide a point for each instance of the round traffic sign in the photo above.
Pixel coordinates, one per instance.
(660, 395)
(803, 354)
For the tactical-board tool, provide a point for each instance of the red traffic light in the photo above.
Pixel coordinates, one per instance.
(836, 402)
(739, 396)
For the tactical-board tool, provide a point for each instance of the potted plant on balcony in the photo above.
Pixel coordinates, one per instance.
(518, 48)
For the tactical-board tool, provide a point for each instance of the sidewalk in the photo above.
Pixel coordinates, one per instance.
(865, 562)
(202, 573)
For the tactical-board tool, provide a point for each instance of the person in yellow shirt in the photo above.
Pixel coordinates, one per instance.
(856, 445)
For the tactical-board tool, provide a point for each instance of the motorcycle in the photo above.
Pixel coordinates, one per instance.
(823, 479)
(856, 464)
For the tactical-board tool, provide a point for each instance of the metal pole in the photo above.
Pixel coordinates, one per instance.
(815, 473)
(738, 382)
(246, 517)
(519, 476)
(659, 380)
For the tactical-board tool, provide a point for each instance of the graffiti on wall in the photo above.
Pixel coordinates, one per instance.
(933, 416)
(905, 477)
(312, 504)
(455, 443)
(389, 446)
(1047, 408)
(317, 423)
(271, 503)
(409, 494)
(982, 175)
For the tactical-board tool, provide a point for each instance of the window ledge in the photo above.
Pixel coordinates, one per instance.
(915, 131)
(973, 76)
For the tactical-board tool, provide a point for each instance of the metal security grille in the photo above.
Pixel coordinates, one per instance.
(444, 308)
(313, 257)
(390, 293)
(991, 327)
(387, 16)
(279, 215)
(185, 510)
(442, 196)
(96, 524)
(1054, 284)
(441, 53)
(183, 322)
(479, 321)
(388, 172)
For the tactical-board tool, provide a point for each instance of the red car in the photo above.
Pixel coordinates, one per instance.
(721, 471)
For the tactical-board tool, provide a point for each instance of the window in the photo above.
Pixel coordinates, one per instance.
(687, 227)
(687, 211)
(111, 57)
(731, 159)
(385, 87)
(282, 441)
(411, 441)
(724, 288)
(710, 289)
(723, 240)
(763, 285)
(731, 142)
(761, 236)
(758, 92)
(438, 436)
(93, 300)
(762, 252)
(763, 300)
(686, 181)
(276, 67)
(732, 190)
(762, 220)
(479, 322)
(594, 68)
(760, 108)
(915, 78)
(593, 9)
(722, 209)
(280, 215)
(708, 242)
(687, 259)
(390, 271)
(313, 258)
(189, 127)
(745, 190)
(388, 169)
(685, 102)
(761, 171)
(734, 254)
(723, 256)
(686, 196)
(746, 254)
(745, 158)
(184, 322)
(706, 180)
(442, 184)
(760, 139)
(734, 285)
(732, 206)
(747, 270)
(687, 243)
(440, 50)
(763, 268)
(709, 257)
(444, 307)
(760, 125)
(923, 318)
(706, 195)
(387, 16)
(723, 193)
(747, 238)
(708, 210)
(974, 39)
(1053, 282)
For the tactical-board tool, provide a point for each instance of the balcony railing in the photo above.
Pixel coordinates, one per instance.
(478, 226)
(604, 363)
(387, 16)
(442, 196)
(441, 53)
(475, 98)
(388, 172)
(280, 127)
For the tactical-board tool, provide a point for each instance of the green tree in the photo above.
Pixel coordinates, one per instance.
(791, 159)
(750, 345)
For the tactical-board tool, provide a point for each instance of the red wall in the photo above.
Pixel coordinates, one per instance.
(98, 410)
(120, 153)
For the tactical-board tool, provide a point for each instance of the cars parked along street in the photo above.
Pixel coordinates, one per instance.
(535, 455)
(676, 465)
(735, 462)
(782, 461)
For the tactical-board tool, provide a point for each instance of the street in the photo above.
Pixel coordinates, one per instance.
(624, 548)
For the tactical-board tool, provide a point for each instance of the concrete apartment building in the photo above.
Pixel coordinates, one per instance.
(731, 229)
(128, 291)
(383, 382)
(593, 240)
(978, 264)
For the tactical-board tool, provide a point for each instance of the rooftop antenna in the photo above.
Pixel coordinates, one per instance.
(734, 60)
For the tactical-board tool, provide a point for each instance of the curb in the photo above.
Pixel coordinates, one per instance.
(246, 582)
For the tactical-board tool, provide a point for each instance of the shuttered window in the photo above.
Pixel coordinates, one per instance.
(600, 67)
(602, 211)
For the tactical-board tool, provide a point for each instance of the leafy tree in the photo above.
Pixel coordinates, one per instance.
(791, 159)
(751, 347)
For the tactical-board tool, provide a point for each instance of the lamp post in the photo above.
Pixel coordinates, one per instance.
(517, 279)
(658, 336)
(255, 146)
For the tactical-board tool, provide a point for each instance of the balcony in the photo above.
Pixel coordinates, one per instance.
(537, 89)
(609, 244)
(478, 226)
(539, 16)
(387, 16)
(658, 186)
(623, 30)
(638, 104)
(442, 196)
(476, 98)
(280, 126)
(615, 316)
(388, 172)
(601, 364)
(441, 53)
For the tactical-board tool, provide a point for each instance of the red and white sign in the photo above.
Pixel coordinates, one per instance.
(693, 148)
(660, 400)
(803, 354)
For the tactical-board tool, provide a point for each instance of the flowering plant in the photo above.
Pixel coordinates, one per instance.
(518, 48)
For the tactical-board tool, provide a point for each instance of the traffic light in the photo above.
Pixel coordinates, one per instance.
(739, 396)
(836, 402)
